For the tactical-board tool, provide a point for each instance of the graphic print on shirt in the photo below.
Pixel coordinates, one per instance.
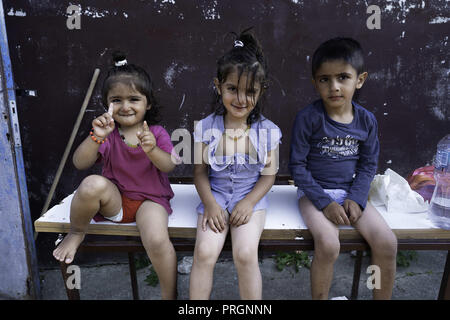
(338, 147)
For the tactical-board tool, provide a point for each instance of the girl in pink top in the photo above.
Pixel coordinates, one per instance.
(136, 157)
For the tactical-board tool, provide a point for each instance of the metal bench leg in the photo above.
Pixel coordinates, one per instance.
(72, 294)
(134, 284)
(356, 275)
(444, 291)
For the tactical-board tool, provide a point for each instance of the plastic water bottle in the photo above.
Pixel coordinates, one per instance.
(439, 210)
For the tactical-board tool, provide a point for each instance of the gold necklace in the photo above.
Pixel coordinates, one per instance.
(236, 138)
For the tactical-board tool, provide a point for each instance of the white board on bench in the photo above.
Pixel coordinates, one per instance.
(283, 219)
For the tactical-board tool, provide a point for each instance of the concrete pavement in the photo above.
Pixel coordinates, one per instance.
(106, 277)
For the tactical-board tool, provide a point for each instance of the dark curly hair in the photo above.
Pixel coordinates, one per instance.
(246, 57)
(346, 49)
(137, 78)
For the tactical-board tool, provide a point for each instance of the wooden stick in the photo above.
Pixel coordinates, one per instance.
(69, 144)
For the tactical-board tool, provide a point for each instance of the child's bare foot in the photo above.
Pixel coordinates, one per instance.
(68, 247)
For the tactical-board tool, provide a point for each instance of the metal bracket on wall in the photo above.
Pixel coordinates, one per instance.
(15, 123)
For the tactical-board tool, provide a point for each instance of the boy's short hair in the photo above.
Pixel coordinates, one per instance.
(346, 49)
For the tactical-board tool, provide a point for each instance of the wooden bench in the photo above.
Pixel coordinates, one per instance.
(284, 231)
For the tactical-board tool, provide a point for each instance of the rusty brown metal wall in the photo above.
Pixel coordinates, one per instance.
(179, 42)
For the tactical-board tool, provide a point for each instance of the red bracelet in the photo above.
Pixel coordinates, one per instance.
(95, 139)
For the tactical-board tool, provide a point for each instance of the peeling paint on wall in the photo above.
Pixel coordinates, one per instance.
(439, 20)
(439, 95)
(95, 13)
(210, 11)
(164, 5)
(401, 8)
(17, 13)
(173, 71)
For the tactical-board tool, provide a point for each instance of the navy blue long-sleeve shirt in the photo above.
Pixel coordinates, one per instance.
(325, 154)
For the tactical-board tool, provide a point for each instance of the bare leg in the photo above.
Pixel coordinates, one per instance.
(152, 221)
(326, 248)
(245, 240)
(383, 245)
(208, 246)
(95, 194)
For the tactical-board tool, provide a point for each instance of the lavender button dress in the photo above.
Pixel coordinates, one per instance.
(233, 177)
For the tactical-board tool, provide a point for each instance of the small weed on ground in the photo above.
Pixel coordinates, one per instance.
(152, 278)
(142, 261)
(404, 258)
(297, 259)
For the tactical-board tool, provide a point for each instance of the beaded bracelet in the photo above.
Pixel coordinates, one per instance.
(95, 139)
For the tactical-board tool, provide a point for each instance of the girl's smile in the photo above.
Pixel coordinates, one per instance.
(238, 107)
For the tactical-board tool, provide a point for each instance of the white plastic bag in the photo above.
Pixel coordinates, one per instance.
(393, 191)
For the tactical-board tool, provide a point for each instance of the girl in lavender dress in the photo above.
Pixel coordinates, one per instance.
(239, 149)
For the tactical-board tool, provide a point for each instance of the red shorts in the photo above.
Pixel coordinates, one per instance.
(129, 208)
(127, 213)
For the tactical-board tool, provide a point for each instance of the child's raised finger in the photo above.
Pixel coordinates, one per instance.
(110, 113)
(110, 109)
(145, 127)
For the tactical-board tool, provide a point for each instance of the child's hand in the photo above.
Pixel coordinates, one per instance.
(146, 138)
(215, 217)
(242, 212)
(336, 214)
(352, 209)
(104, 124)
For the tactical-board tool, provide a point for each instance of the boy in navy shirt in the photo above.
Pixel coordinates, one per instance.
(333, 159)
